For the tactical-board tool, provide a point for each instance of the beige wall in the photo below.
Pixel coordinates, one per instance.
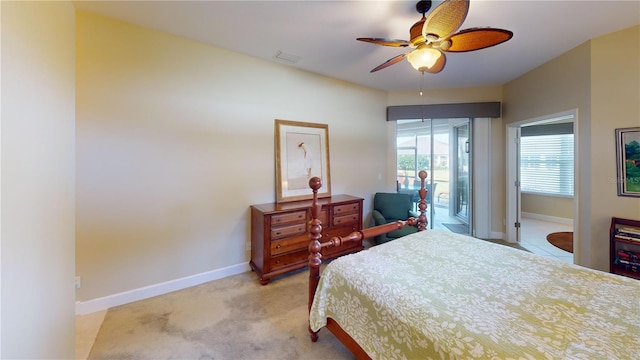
(37, 180)
(560, 85)
(554, 206)
(605, 90)
(615, 90)
(445, 96)
(175, 140)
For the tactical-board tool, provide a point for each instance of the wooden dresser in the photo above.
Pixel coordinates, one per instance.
(280, 233)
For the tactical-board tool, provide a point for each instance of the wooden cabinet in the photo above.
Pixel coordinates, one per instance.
(625, 247)
(280, 233)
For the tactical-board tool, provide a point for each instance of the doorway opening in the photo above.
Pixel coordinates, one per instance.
(541, 168)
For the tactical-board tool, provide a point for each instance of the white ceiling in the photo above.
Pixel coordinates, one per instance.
(323, 34)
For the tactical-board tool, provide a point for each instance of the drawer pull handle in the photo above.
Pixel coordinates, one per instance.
(278, 246)
(278, 220)
(278, 233)
(277, 261)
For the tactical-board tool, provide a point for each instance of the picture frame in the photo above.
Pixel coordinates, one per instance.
(302, 152)
(628, 161)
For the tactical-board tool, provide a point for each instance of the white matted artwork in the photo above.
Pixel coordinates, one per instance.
(302, 152)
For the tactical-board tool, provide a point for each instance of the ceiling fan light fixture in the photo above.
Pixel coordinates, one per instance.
(424, 57)
(437, 34)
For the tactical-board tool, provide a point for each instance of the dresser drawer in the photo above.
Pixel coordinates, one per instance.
(345, 219)
(287, 231)
(289, 259)
(280, 232)
(297, 243)
(292, 217)
(346, 209)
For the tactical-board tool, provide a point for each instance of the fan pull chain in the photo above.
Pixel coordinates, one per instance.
(421, 87)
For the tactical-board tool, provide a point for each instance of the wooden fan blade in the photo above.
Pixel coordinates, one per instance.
(386, 42)
(446, 18)
(439, 65)
(477, 38)
(390, 62)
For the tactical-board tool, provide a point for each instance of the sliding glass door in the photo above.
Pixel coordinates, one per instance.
(461, 171)
(442, 148)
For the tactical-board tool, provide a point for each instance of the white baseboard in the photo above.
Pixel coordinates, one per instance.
(103, 303)
(547, 218)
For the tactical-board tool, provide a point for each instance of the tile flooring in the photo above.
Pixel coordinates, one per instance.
(533, 237)
(533, 233)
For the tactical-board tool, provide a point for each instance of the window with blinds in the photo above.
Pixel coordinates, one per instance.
(546, 164)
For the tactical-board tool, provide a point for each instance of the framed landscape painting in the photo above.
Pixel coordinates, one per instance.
(628, 161)
(302, 152)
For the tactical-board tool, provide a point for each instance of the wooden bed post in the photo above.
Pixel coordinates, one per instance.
(316, 245)
(422, 205)
(315, 257)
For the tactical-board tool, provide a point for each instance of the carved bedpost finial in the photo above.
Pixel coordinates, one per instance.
(315, 184)
(315, 257)
(422, 205)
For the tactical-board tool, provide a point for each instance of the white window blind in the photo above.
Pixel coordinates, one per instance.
(546, 164)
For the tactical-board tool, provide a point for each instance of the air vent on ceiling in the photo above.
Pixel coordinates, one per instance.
(286, 58)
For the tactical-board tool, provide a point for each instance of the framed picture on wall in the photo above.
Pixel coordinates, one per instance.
(302, 152)
(628, 161)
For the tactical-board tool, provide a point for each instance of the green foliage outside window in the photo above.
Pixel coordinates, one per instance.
(406, 162)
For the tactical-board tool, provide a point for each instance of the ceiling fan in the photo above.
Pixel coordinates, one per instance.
(436, 33)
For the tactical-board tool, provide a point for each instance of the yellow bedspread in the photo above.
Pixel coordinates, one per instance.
(440, 295)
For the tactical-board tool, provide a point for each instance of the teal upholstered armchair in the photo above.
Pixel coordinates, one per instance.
(391, 207)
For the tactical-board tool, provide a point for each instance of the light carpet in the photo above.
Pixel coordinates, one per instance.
(230, 318)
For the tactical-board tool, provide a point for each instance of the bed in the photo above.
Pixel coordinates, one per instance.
(441, 295)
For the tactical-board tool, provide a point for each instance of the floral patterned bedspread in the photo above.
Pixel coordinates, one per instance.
(440, 295)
